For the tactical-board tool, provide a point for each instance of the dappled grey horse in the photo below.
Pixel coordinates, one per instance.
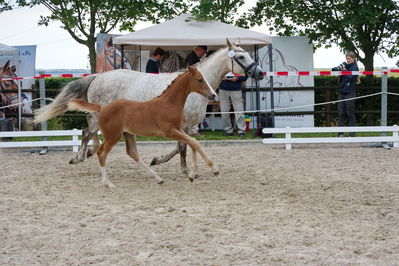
(132, 85)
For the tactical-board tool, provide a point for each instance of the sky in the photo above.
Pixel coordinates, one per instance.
(57, 50)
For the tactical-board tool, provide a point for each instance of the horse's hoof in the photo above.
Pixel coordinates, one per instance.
(191, 179)
(153, 162)
(185, 171)
(160, 182)
(89, 154)
(109, 185)
(73, 161)
(197, 176)
(215, 173)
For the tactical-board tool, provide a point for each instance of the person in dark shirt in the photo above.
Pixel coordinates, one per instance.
(230, 93)
(196, 55)
(153, 63)
(347, 90)
(193, 58)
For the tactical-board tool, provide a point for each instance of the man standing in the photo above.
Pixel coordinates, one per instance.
(230, 89)
(153, 62)
(347, 90)
(196, 55)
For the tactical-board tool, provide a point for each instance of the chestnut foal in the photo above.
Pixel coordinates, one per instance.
(161, 116)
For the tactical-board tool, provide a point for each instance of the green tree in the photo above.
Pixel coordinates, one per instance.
(5, 5)
(83, 19)
(221, 10)
(366, 27)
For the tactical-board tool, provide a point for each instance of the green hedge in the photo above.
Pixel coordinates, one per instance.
(64, 121)
(368, 85)
(364, 106)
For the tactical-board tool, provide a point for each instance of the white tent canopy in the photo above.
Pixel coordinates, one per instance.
(179, 34)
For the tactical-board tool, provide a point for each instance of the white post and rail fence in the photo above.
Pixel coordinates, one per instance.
(74, 141)
(390, 135)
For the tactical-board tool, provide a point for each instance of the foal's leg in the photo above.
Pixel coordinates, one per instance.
(87, 134)
(102, 153)
(194, 145)
(131, 149)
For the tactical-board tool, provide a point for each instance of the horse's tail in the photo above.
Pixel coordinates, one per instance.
(73, 90)
(82, 105)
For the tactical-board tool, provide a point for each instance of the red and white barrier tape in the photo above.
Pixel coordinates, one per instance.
(48, 76)
(329, 73)
(267, 74)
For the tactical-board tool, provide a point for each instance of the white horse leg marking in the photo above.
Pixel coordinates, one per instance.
(195, 163)
(106, 181)
(156, 177)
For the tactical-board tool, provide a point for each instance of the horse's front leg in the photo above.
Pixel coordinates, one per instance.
(183, 155)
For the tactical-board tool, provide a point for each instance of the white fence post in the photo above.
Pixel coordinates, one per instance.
(395, 136)
(288, 145)
(75, 138)
(288, 138)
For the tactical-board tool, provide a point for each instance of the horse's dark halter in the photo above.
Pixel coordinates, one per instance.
(247, 69)
(10, 98)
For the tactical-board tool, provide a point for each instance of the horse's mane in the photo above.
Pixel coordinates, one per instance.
(208, 58)
(163, 92)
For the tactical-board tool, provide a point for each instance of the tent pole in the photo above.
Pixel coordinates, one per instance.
(19, 106)
(270, 46)
(114, 57)
(140, 56)
(122, 56)
(257, 97)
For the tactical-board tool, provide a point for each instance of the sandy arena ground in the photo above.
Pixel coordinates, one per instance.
(317, 205)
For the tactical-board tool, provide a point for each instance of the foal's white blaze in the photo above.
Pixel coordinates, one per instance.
(212, 90)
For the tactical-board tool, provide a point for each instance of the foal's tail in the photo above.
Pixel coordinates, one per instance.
(84, 106)
(73, 90)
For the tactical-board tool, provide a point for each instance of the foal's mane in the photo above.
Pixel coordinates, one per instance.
(208, 58)
(181, 74)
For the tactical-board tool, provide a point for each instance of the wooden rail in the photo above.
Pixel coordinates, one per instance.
(288, 140)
